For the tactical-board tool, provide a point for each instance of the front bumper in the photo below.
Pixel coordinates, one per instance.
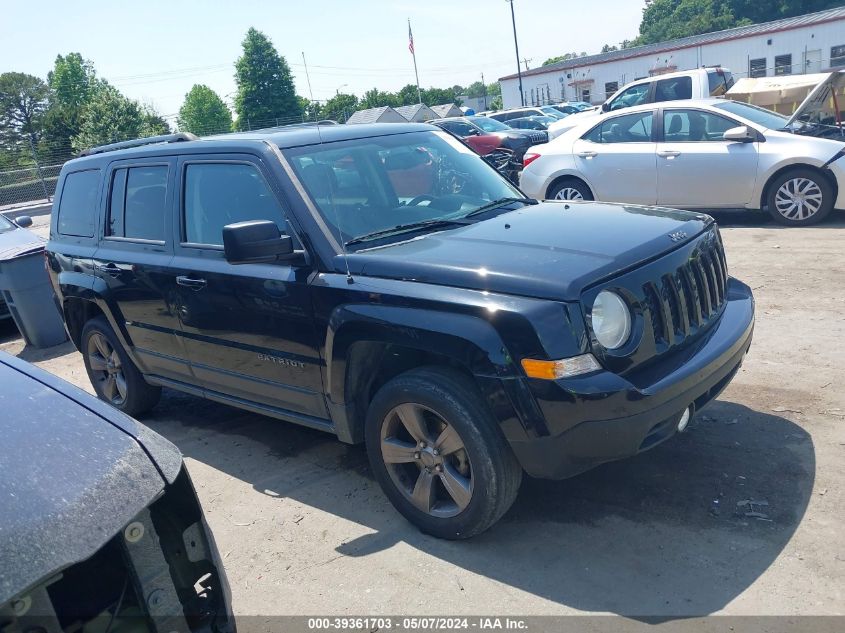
(602, 417)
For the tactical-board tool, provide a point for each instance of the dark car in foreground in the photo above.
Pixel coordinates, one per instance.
(13, 233)
(100, 527)
(384, 284)
(483, 131)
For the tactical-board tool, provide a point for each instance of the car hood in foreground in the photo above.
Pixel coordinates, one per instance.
(551, 250)
(73, 472)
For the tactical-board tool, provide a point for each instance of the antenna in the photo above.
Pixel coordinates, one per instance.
(349, 279)
(308, 79)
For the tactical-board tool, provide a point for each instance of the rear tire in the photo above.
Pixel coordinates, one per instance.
(800, 197)
(113, 375)
(438, 454)
(569, 189)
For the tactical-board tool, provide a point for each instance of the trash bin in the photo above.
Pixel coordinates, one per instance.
(28, 293)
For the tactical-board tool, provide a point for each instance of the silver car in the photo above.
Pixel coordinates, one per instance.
(698, 154)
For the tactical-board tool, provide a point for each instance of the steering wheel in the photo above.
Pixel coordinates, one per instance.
(416, 200)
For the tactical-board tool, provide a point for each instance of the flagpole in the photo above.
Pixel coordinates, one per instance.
(414, 55)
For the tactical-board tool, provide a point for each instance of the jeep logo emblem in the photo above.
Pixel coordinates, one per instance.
(677, 236)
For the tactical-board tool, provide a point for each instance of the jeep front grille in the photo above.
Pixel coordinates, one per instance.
(683, 301)
(675, 299)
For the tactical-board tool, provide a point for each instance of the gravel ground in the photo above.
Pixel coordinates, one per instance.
(304, 529)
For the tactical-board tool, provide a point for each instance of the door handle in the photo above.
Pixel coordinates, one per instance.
(667, 153)
(587, 154)
(191, 282)
(111, 269)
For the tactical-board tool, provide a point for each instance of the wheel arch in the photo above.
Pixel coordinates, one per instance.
(569, 176)
(363, 354)
(782, 169)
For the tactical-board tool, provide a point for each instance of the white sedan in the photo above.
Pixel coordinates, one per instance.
(699, 154)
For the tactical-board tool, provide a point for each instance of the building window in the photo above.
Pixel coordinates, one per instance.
(837, 55)
(610, 88)
(783, 65)
(757, 67)
(585, 95)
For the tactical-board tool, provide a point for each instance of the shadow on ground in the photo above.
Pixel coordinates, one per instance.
(658, 535)
(751, 219)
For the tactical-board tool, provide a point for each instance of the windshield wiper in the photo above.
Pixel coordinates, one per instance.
(498, 203)
(402, 228)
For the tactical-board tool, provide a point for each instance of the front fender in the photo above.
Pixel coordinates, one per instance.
(469, 340)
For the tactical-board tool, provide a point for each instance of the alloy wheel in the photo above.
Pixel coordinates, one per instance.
(426, 459)
(798, 199)
(569, 193)
(106, 369)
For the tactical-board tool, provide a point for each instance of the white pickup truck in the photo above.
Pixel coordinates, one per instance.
(688, 84)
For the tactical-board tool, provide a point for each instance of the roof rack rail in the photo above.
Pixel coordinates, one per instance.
(139, 142)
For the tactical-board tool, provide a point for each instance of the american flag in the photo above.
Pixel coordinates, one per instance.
(410, 39)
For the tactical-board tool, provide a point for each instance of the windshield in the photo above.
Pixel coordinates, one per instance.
(6, 225)
(489, 125)
(760, 116)
(364, 186)
(552, 112)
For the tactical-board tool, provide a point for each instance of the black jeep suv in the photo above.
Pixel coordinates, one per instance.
(383, 283)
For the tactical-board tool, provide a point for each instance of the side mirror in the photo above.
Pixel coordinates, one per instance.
(23, 221)
(739, 134)
(256, 242)
(605, 107)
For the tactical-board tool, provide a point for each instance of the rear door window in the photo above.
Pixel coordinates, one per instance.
(628, 128)
(77, 207)
(673, 89)
(137, 203)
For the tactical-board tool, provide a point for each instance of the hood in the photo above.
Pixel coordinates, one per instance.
(73, 473)
(818, 106)
(17, 242)
(517, 134)
(551, 250)
(559, 127)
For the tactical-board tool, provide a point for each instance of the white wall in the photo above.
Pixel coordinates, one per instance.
(733, 54)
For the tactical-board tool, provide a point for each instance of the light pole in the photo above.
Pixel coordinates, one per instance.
(337, 90)
(516, 46)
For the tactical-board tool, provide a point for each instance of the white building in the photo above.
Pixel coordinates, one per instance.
(805, 44)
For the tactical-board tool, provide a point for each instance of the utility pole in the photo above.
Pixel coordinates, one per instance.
(484, 88)
(525, 61)
(516, 47)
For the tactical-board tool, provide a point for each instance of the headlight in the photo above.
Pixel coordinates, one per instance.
(611, 320)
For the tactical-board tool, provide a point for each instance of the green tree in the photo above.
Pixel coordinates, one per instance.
(23, 101)
(376, 98)
(311, 110)
(265, 86)
(436, 96)
(563, 58)
(408, 95)
(340, 107)
(204, 112)
(109, 117)
(72, 82)
(152, 123)
(670, 19)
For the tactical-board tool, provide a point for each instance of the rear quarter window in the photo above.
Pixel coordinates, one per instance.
(78, 204)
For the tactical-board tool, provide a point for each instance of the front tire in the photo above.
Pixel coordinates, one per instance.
(113, 375)
(438, 454)
(800, 197)
(569, 189)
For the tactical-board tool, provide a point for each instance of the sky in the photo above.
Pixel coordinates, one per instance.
(155, 50)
